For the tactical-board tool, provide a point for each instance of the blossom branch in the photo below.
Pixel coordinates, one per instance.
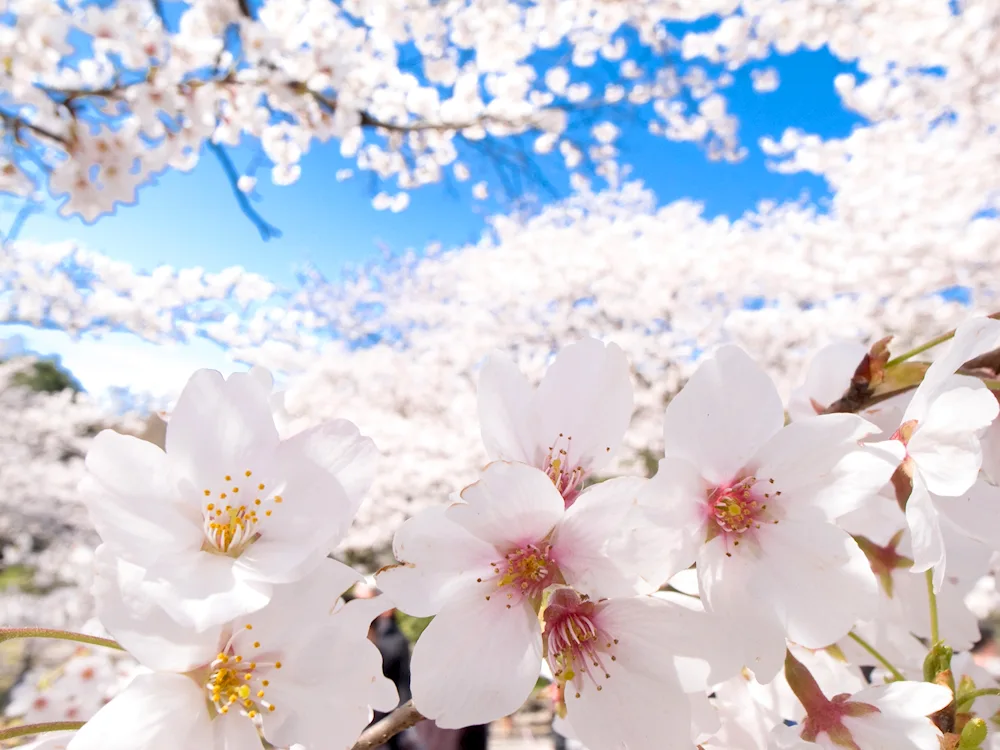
(267, 231)
(25, 730)
(9, 634)
(878, 656)
(388, 727)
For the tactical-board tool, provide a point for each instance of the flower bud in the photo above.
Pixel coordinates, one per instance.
(973, 734)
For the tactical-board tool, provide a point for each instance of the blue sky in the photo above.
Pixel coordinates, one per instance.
(193, 219)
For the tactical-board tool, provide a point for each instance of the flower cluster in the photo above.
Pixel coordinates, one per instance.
(213, 574)
(786, 578)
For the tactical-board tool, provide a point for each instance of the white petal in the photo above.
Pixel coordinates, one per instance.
(972, 338)
(329, 682)
(155, 712)
(729, 588)
(314, 514)
(945, 445)
(788, 738)
(501, 647)
(219, 426)
(925, 528)
(582, 542)
(50, 741)
(820, 464)
(586, 395)
(511, 504)
(819, 582)
(505, 397)
(641, 705)
(203, 590)
(976, 513)
(233, 731)
(339, 447)
(143, 628)
(828, 376)
(132, 498)
(661, 537)
(308, 603)
(439, 560)
(905, 699)
(726, 412)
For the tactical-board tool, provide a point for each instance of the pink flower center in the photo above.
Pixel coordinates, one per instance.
(827, 718)
(566, 477)
(577, 648)
(741, 506)
(524, 572)
(736, 506)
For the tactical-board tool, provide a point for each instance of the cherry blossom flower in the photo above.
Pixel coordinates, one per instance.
(298, 670)
(940, 430)
(481, 567)
(752, 501)
(620, 664)
(228, 509)
(570, 425)
(883, 716)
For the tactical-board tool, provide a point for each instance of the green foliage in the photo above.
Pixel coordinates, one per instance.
(16, 577)
(47, 377)
(411, 626)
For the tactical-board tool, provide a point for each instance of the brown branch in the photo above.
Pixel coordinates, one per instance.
(386, 728)
(17, 122)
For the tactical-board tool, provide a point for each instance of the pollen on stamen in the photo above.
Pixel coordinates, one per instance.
(248, 472)
(228, 478)
(208, 492)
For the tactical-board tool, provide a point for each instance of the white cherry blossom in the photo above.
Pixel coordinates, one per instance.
(753, 502)
(481, 567)
(571, 425)
(299, 670)
(228, 509)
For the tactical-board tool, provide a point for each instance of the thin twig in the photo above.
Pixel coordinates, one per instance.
(267, 231)
(26, 730)
(384, 729)
(9, 634)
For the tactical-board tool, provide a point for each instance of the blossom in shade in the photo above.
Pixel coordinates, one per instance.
(228, 509)
(571, 425)
(884, 716)
(301, 669)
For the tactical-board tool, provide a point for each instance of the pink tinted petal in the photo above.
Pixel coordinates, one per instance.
(157, 711)
(505, 411)
(472, 636)
(511, 504)
(819, 464)
(818, 581)
(662, 535)
(583, 542)
(945, 446)
(721, 418)
(586, 395)
(439, 560)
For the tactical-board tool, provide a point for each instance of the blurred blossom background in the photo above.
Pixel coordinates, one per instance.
(368, 196)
